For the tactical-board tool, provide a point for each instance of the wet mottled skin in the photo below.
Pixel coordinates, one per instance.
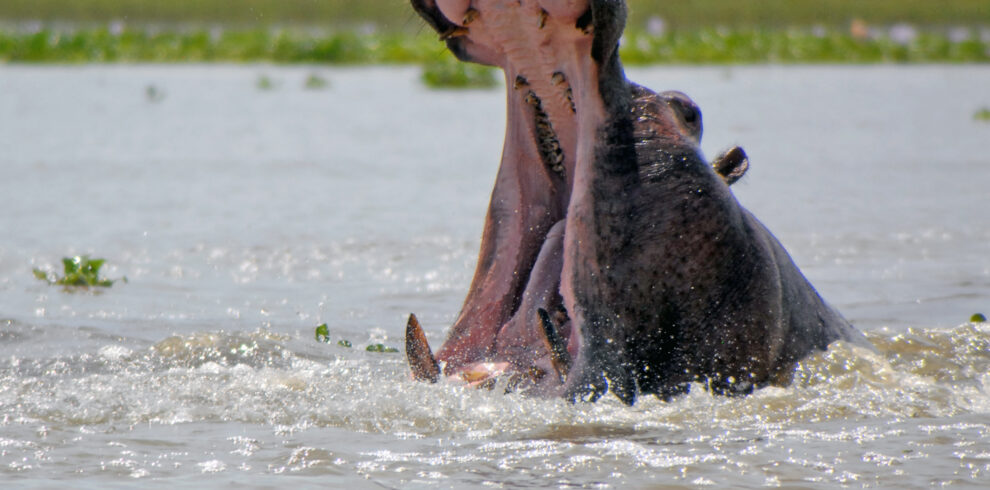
(609, 231)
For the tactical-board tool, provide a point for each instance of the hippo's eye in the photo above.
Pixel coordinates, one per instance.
(690, 115)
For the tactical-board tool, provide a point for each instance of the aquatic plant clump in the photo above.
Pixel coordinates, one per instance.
(323, 335)
(265, 83)
(653, 45)
(136, 44)
(381, 348)
(898, 44)
(315, 82)
(80, 271)
(395, 13)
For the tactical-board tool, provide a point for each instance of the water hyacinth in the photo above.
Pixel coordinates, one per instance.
(392, 14)
(78, 271)
(819, 44)
(655, 41)
(381, 348)
(113, 44)
(315, 82)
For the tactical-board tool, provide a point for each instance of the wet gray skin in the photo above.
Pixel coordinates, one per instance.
(614, 257)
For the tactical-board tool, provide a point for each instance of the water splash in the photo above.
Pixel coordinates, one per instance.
(276, 387)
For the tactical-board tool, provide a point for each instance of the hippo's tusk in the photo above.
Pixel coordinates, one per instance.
(559, 357)
(543, 18)
(424, 366)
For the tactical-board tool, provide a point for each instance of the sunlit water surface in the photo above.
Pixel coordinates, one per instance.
(243, 217)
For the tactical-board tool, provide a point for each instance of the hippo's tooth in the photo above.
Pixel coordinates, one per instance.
(559, 357)
(543, 18)
(424, 366)
(470, 15)
(520, 82)
(532, 99)
(454, 31)
(570, 98)
(557, 78)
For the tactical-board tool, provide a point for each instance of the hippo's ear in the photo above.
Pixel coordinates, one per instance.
(608, 17)
(732, 164)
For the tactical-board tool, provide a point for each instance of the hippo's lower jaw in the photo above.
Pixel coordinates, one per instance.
(613, 257)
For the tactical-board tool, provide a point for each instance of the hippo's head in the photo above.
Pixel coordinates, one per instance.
(594, 173)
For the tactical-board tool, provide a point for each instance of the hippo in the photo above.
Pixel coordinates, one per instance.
(614, 258)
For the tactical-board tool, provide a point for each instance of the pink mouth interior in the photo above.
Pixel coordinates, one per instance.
(553, 111)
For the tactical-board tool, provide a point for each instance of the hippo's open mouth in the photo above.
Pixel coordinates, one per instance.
(591, 247)
(554, 109)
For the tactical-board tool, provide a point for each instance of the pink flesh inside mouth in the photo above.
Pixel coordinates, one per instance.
(553, 111)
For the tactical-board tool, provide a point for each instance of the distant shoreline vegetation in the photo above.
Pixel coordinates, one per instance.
(117, 42)
(398, 15)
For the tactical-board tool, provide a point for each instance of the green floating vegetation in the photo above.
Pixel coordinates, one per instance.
(691, 45)
(265, 83)
(315, 82)
(323, 333)
(154, 94)
(79, 271)
(380, 348)
(982, 115)
(137, 45)
(794, 45)
(447, 72)
(977, 318)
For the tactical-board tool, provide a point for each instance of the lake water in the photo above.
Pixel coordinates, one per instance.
(243, 217)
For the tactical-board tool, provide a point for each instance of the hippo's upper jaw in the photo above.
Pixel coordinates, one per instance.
(613, 257)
